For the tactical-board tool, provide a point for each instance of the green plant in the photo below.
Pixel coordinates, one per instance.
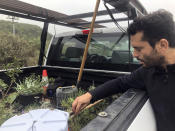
(67, 103)
(12, 70)
(6, 109)
(5, 112)
(30, 86)
(25, 45)
(32, 106)
(85, 116)
(3, 88)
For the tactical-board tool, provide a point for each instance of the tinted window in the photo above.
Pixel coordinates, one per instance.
(110, 48)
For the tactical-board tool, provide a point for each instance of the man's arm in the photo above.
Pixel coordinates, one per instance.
(121, 84)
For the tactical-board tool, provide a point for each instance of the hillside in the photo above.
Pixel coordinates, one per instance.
(23, 30)
(25, 45)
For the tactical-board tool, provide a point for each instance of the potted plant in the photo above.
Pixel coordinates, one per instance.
(30, 89)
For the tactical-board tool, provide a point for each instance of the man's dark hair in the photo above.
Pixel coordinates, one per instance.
(155, 26)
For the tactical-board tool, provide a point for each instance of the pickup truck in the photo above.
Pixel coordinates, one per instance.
(109, 56)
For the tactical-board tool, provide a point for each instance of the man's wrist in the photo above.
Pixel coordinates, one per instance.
(92, 97)
(89, 95)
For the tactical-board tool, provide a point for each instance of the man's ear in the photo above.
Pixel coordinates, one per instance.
(162, 45)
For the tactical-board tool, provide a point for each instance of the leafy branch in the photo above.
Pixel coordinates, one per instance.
(30, 85)
(12, 70)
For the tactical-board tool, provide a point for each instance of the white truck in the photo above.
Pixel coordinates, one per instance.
(109, 56)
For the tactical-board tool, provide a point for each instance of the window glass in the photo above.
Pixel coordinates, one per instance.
(110, 48)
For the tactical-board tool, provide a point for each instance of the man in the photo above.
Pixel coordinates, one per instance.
(152, 38)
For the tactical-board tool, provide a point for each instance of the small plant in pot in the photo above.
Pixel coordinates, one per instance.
(30, 89)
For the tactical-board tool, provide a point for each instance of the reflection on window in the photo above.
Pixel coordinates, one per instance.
(72, 49)
(104, 48)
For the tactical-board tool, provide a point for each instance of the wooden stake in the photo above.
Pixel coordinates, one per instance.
(87, 107)
(93, 104)
(88, 41)
(85, 54)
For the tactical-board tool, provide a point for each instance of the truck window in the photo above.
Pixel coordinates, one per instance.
(104, 48)
(72, 49)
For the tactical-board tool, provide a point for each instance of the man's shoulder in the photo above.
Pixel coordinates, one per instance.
(143, 71)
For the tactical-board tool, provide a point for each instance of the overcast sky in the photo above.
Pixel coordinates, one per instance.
(77, 6)
(70, 7)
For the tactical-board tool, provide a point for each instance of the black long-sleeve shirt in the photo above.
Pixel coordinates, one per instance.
(160, 86)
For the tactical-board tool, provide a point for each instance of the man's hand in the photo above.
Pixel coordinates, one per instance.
(81, 102)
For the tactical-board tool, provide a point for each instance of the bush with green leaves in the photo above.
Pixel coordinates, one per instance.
(25, 45)
(6, 109)
(31, 85)
(12, 70)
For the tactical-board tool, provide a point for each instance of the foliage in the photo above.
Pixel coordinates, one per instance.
(26, 31)
(32, 106)
(12, 71)
(67, 103)
(16, 51)
(11, 46)
(7, 106)
(5, 112)
(30, 86)
(3, 88)
(10, 98)
(10, 111)
(79, 121)
(25, 45)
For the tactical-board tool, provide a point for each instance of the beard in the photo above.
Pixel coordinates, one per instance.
(154, 59)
